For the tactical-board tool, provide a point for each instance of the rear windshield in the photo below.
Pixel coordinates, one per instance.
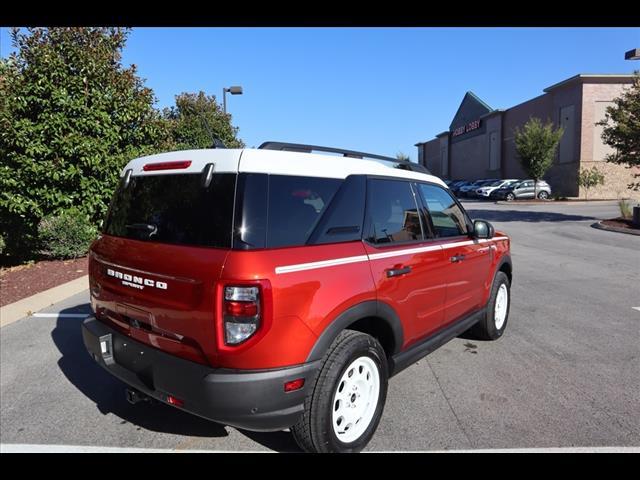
(174, 209)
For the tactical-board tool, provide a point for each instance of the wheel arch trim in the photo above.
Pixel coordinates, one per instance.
(360, 311)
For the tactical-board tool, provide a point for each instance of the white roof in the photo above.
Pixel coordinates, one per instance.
(275, 162)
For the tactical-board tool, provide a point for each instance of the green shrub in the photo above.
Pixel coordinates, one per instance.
(626, 208)
(589, 179)
(71, 116)
(64, 236)
(2, 244)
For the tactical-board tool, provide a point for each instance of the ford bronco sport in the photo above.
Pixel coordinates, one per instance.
(277, 288)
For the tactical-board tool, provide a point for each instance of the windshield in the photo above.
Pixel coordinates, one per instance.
(174, 209)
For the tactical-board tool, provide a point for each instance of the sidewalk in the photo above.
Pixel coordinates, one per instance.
(557, 202)
(25, 307)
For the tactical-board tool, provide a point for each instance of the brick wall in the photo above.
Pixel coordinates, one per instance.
(617, 177)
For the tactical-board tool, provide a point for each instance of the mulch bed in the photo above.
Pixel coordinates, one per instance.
(23, 281)
(619, 223)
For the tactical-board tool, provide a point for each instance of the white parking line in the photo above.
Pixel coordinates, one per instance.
(636, 308)
(33, 448)
(61, 315)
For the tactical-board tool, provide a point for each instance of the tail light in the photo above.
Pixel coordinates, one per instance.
(241, 313)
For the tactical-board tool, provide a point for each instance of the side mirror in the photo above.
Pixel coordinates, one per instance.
(482, 229)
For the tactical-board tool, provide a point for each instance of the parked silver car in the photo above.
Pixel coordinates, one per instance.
(485, 190)
(522, 190)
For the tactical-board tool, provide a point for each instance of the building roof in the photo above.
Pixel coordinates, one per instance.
(482, 102)
(470, 108)
(471, 98)
(592, 78)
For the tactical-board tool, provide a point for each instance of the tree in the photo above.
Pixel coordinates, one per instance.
(71, 116)
(622, 128)
(403, 157)
(589, 179)
(536, 145)
(196, 119)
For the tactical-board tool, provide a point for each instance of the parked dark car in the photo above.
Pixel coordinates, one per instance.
(522, 190)
(472, 192)
(455, 188)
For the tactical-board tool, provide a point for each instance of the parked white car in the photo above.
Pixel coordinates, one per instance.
(486, 190)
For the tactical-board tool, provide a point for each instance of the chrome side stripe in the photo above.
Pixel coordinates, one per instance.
(377, 256)
(406, 251)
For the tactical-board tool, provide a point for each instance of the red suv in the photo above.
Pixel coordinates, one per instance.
(276, 288)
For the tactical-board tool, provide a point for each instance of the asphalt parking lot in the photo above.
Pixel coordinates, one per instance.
(565, 374)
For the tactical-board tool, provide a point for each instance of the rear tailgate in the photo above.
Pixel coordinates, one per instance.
(154, 270)
(162, 295)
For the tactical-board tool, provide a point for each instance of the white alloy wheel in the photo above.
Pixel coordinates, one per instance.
(355, 399)
(500, 307)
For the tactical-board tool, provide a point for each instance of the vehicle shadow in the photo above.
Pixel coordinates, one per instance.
(525, 216)
(107, 392)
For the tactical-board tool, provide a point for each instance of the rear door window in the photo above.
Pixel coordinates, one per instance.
(296, 205)
(174, 209)
(392, 212)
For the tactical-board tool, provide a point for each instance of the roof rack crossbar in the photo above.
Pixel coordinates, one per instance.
(299, 147)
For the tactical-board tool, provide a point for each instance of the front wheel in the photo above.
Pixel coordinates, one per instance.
(343, 409)
(494, 323)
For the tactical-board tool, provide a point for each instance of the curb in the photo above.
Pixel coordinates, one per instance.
(558, 202)
(25, 307)
(628, 231)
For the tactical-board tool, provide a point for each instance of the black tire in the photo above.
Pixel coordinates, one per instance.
(314, 431)
(543, 195)
(510, 197)
(486, 329)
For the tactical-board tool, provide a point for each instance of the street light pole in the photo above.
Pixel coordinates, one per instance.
(233, 91)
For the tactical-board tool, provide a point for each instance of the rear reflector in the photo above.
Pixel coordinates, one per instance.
(167, 165)
(241, 309)
(174, 401)
(294, 385)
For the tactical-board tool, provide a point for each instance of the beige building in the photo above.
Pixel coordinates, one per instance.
(480, 140)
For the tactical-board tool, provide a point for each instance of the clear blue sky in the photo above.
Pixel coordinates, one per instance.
(373, 89)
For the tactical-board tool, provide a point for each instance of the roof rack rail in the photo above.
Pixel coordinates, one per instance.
(300, 147)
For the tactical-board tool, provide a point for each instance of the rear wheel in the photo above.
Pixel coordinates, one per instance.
(510, 197)
(494, 323)
(543, 195)
(343, 409)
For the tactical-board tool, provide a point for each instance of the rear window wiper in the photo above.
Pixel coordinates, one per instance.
(149, 228)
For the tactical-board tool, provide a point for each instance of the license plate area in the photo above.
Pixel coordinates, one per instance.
(106, 348)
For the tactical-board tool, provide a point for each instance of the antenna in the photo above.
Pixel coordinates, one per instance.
(215, 140)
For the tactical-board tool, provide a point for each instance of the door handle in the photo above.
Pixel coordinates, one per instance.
(457, 258)
(396, 272)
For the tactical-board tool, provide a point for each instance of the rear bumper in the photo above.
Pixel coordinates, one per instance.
(253, 400)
